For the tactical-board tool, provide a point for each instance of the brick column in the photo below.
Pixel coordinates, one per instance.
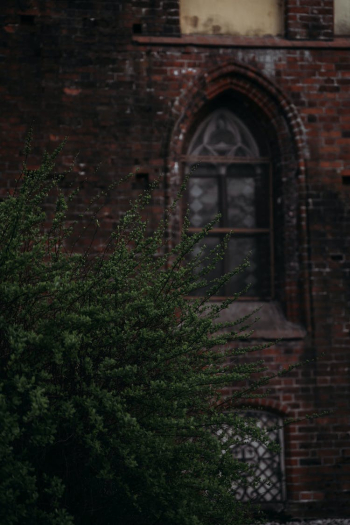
(309, 19)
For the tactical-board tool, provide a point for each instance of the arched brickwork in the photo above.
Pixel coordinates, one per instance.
(273, 405)
(256, 86)
(283, 126)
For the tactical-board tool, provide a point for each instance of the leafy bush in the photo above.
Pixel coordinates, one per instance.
(110, 378)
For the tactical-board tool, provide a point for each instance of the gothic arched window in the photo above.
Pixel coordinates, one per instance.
(233, 179)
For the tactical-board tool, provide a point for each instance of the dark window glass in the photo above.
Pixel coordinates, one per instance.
(234, 180)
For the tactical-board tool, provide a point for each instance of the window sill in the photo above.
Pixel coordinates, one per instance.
(272, 323)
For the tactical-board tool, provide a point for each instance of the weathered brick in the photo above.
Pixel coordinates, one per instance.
(82, 72)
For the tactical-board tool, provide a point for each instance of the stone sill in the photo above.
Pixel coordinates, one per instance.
(272, 324)
(240, 41)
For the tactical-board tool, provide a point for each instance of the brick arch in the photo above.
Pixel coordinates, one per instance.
(255, 86)
(288, 139)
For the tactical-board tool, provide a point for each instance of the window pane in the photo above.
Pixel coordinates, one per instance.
(210, 242)
(258, 273)
(203, 195)
(247, 190)
(239, 191)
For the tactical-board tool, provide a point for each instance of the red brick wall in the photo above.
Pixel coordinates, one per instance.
(309, 19)
(156, 17)
(83, 69)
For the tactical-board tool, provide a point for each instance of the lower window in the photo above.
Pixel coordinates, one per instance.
(269, 465)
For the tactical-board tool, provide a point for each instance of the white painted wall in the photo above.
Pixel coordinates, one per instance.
(233, 17)
(342, 17)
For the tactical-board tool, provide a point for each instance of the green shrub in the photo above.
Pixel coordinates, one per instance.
(110, 378)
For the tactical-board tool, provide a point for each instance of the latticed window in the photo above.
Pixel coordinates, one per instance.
(269, 465)
(235, 180)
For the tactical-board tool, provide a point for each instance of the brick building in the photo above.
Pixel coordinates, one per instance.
(259, 92)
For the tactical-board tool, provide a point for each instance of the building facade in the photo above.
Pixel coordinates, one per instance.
(258, 91)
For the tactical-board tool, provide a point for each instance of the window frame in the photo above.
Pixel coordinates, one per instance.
(195, 159)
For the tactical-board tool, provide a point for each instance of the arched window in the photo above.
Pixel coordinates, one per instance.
(269, 464)
(233, 179)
